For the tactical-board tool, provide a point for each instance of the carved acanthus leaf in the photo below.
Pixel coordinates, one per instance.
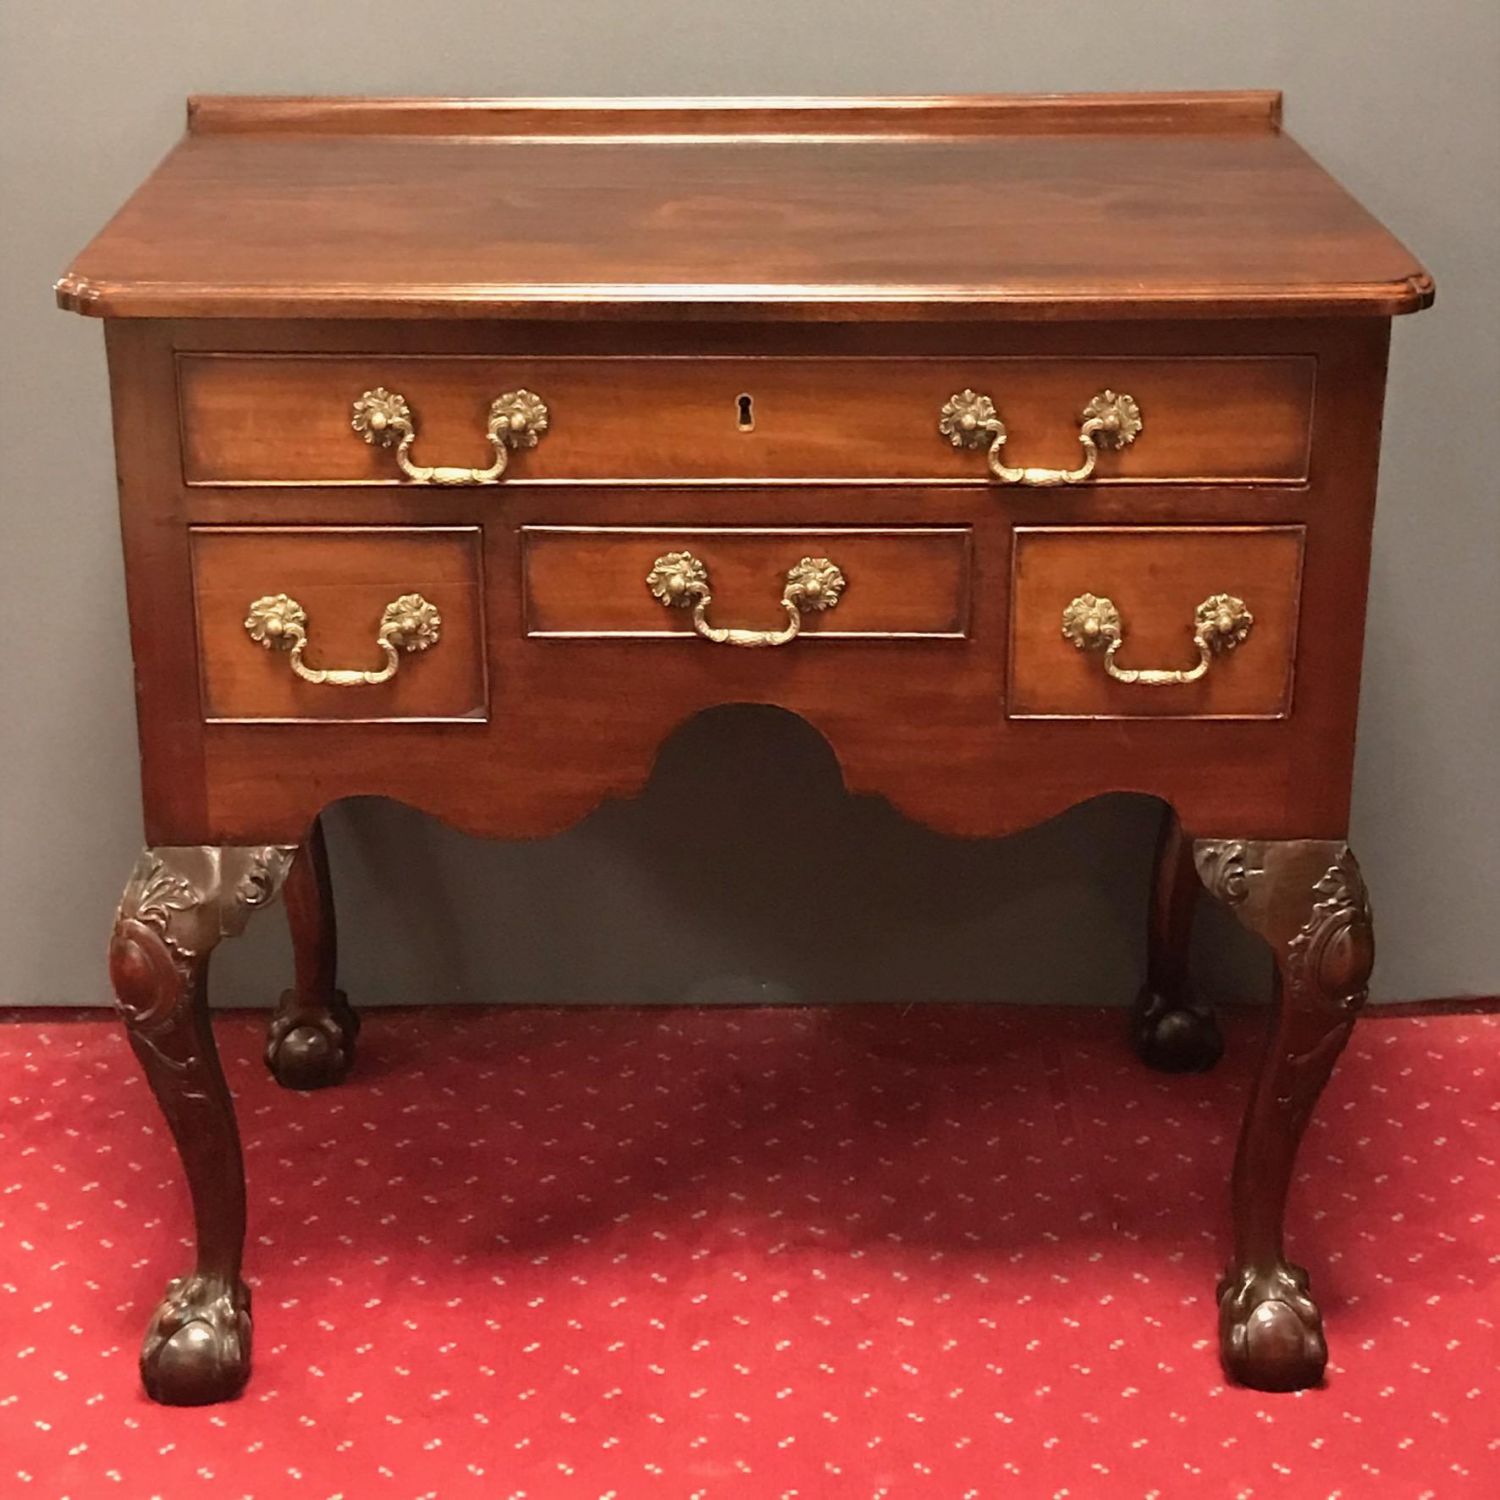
(192, 896)
(1222, 866)
(1334, 951)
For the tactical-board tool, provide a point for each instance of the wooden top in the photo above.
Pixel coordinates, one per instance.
(1102, 206)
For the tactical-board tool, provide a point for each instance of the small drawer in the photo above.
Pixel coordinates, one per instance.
(1154, 622)
(290, 419)
(603, 582)
(351, 624)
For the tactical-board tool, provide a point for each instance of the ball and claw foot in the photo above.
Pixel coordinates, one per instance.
(1175, 1038)
(197, 1349)
(1270, 1330)
(310, 1046)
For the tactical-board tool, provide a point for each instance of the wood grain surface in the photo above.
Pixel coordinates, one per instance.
(1126, 221)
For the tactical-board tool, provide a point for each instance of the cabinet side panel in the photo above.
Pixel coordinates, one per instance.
(158, 580)
(1344, 463)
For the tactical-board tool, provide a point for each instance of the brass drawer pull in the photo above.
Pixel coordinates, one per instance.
(968, 420)
(1220, 623)
(409, 623)
(679, 580)
(517, 420)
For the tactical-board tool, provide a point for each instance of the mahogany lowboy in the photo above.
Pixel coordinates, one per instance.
(1025, 448)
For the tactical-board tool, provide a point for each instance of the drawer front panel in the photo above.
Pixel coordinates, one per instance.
(337, 584)
(900, 583)
(283, 419)
(1150, 582)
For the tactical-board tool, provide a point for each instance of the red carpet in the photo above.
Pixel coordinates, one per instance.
(952, 1253)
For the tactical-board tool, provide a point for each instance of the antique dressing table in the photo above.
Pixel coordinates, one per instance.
(463, 445)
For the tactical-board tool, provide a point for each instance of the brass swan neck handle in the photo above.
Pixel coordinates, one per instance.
(969, 420)
(1220, 624)
(409, 623)
(517, 419)
(680, 581)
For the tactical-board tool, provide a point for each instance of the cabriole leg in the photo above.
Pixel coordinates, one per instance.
(310, 1043)
(179, 903)
(1307, 900)
(1171, 1028)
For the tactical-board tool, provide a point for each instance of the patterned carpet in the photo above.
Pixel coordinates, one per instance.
(948, 1252)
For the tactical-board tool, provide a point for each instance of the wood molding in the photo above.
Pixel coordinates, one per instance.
(1245, 111)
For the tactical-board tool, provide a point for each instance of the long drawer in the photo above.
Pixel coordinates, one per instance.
(305, 419)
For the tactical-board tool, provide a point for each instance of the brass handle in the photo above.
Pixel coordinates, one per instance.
(680, 581)
(969, 420)
(517, 420)
(1220, 623)
(409, 623)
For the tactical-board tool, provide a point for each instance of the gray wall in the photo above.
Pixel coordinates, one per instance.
(1399, 101)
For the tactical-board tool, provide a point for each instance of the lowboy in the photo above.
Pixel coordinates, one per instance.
(1025, 447)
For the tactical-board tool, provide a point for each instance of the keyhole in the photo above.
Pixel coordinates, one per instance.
(747, 414)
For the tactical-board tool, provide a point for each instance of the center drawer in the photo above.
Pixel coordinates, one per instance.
(291, 419)
(849, 583)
